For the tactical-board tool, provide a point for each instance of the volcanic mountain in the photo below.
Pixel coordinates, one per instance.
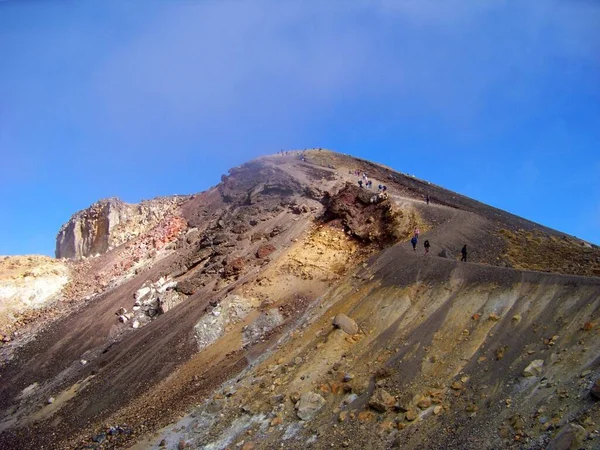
(286, 308)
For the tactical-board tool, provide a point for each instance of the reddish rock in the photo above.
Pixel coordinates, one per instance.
(365, 416)
(381, 400)
(588, 326)
(265, 250)
(234, 266)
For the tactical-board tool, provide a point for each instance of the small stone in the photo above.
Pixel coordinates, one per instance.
(365, 416)
(343, 415)
(308, 405)
(135, 324)
(348, 377)
(476, 316)
(51, 400)
(276, 421)
(472, 408)
(516, 318)
(534, 369)
(163, 443)
(381, 400)
(457, 386)
(585, 373)
(411, 415)
(424, 402)
(494, 317)
(386, 425)
(437, 409)
(345, 323)
(248, 446)
(588, 326)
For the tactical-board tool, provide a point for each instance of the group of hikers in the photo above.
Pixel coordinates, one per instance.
(415, 240)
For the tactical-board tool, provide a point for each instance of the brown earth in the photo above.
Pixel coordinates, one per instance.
(447, 340)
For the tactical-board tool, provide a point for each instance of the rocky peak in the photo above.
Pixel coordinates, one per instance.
(110, 222)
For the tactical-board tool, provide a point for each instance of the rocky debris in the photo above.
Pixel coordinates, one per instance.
(265, 250)
(570, 437)
(345, 323)
(232, 310)
(380, 223)
(534, 369)
(262, 326)
(234, 266)
(381, 400)
(109, 223)
(152, 300)
(308, 405)
(300, 209)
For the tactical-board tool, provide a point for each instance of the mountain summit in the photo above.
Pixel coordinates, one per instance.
(296, 305)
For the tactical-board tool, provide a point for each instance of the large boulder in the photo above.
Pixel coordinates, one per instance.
(570, 437)
(308, 405)
(345, 323)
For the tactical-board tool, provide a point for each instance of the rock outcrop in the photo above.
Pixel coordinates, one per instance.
(109, 223)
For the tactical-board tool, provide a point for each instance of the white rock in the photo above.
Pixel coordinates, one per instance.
(216, 313)
(135, 324)
(51, 400)
(136, 308)
(83, 362)
(534, 369)
(142, 293)
(308, 405)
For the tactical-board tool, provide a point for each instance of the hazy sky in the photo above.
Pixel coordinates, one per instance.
(497, 100)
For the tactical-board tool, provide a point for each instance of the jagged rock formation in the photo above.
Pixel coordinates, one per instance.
(109, 223)
(287, 300)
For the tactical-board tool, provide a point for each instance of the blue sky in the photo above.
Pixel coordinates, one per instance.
(497, 100)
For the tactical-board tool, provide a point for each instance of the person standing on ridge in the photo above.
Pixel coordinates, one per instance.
(427, 199)
(417, 232)
(426, 245)
(414, 241)
(464, 253)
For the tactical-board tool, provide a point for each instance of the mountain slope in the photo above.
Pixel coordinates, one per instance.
(235, 308)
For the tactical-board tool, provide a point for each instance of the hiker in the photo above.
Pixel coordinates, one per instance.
(384, 188)
(417, 232)
(426, 245)
(414, 241)
(427, 199)
(360, 183)
(464, 253)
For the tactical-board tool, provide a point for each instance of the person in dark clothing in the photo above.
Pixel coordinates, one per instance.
(426, 245)
(414, 241)
(360, 182)
(464, 253)
(427, 199)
